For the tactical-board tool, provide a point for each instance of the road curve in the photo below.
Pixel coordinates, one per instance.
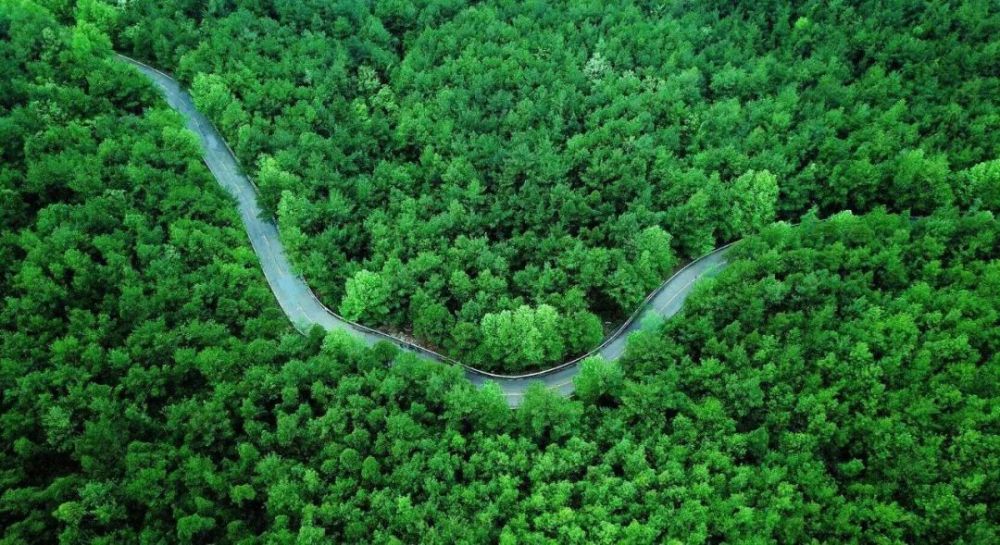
(305, 310)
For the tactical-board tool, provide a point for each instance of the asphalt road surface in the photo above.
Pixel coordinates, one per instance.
(305, 311)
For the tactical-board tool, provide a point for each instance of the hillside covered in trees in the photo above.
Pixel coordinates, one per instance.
(838, 382)
(460, 170)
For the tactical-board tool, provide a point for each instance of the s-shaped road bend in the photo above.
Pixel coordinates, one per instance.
(305, 311)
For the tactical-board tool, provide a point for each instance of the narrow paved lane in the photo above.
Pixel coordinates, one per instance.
(304, 310)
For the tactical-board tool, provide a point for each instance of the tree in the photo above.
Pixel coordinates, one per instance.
(211, 94)
(651, 254)
(982, 186)
(599, 382)
(581, 331)
(512, 338)
(755, 197)
(366, 297)
(100, 14)
(834, 382)
(431, 320)
(922, 180)
(395, 150)
(273, 181)
(524, 337)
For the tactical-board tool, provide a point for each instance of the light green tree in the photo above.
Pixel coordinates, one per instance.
(366, 298)
(754, 198)
(982, 185)
(652, 255)
(523, 337)
(599, 381)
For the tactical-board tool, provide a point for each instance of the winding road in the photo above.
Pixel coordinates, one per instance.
(305, 310)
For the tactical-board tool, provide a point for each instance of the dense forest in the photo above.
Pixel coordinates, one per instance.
(839, 382)
(450, 169)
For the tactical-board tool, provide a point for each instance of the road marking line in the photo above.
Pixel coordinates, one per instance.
(662, 308)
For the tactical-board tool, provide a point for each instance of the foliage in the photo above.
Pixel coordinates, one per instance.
(524, 144)
(367, 296)
(537, 334)
(754, 196)
(837, 382)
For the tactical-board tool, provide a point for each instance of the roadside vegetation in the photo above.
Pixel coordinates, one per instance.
(837, 382)
(439, 167)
